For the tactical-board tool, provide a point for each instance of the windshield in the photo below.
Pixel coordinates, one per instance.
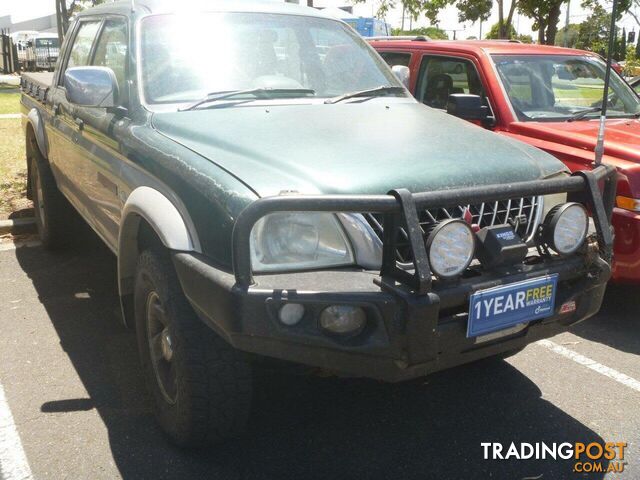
(46, 42)
(187, 57)
(557, 87)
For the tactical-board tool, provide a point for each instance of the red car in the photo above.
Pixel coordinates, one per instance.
(548, 97)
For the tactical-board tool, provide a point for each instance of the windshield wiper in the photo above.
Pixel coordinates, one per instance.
(264, 92)
(370, 92)
(583, 113)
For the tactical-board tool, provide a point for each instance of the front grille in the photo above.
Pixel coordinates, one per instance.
(482, 215)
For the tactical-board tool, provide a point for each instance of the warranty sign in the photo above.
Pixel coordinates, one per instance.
(507, 305)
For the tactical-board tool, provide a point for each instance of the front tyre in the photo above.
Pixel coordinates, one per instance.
(201, 386)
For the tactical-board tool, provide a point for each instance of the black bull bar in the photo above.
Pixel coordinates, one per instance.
(596, 189)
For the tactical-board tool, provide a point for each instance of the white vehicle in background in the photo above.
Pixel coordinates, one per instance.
(46, 47)
(23, 41)
(24, 36)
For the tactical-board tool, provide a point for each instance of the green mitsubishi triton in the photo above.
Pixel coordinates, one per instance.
(271, 190)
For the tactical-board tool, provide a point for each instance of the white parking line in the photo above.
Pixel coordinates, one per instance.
(592, 364)
(13, 461)
(8, 116)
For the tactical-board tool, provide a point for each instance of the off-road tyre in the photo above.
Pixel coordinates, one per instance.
(212, 396)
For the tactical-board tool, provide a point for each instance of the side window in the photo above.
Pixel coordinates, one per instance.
(111, 50)
(439, 77)
(396, 58)
(81, 48)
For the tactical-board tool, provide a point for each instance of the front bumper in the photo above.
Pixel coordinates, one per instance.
(406, 335)
(415, 325)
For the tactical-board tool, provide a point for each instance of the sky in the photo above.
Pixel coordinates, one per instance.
(26, 9)
(448, 20)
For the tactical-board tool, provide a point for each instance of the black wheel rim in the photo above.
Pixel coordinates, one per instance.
(161, 348)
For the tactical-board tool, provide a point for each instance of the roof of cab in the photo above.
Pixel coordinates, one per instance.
(190, 6)
(477, 46)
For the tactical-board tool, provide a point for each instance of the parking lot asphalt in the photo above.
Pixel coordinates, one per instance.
(75, 401)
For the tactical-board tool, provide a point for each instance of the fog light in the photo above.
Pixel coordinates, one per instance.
(291, 313)
(342, 319)
(565, 227)
(450, 246)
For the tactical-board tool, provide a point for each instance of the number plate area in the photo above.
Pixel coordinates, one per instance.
(501, 307)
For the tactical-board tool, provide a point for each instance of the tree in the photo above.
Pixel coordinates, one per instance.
(632, 64)
(524, 38)
(624, 7)
(494, 33)
(468, 10)
(629, 7)
(593, 32)
(570, 33)
(504, 25)
(545, 15)
(65, 9)
(622, 55)
(431, 32)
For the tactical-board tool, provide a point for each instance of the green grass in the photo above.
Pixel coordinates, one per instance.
(574, 95)
(520, 91)
(9, 102)
(579, 95)
(13, 168)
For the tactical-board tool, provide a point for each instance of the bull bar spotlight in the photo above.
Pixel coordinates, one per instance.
(451, 247)
(565, 228)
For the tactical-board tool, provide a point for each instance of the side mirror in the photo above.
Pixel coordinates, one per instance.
(467, 107)
(91, 87)
(402, 73)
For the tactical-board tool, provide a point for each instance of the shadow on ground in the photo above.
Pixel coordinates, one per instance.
(301, 427)
(26, 212)
(618, 323)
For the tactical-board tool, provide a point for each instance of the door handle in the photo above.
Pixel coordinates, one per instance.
(79, 123)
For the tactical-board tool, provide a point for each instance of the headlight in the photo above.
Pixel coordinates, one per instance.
(565, 227)
(298, 241)
(450, 246)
